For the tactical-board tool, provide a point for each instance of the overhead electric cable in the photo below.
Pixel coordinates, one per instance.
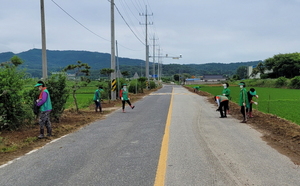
(128, 25)
(78, 21)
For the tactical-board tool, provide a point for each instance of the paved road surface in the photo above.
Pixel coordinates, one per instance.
(128, 149)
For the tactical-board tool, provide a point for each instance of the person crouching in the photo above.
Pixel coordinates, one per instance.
(222, 102)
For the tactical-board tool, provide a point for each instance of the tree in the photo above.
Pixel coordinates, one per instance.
(81, 70)
(14, 61)
(106, 71)
(242, 72)
(176, 77)
(142, 80)
(284, 65)
(13, 111)
(125, 73)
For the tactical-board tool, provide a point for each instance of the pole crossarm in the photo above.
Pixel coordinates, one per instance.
(167, 56)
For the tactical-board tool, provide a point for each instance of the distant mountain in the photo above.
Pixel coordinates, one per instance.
(57, 60)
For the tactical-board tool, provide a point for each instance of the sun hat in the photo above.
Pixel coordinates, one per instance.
(37, 85)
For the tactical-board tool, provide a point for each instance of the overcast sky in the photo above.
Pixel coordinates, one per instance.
(203, 31)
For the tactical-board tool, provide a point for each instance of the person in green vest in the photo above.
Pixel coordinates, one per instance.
(125, 97)
(243, 101)
(226, 92)
(222, 102)
(97, 99)
(196, 88)
(44, 102)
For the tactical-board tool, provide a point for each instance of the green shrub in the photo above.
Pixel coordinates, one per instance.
(59, 93)
(135, 86)
(281, 82)
(152, 85)
(295, 83)
(13, 111)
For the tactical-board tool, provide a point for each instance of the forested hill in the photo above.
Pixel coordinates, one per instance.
(59, 59)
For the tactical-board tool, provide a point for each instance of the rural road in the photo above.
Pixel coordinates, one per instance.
(173, 137)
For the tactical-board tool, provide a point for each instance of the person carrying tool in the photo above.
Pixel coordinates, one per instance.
(243, 101)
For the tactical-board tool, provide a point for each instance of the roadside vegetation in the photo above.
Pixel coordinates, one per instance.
(18, 94)
(281, 102)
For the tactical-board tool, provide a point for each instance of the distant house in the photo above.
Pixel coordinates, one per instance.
(213, 78)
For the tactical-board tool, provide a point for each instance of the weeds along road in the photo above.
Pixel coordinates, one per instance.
(172, 137)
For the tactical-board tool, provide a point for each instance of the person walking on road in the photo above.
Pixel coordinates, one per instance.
(243, 101)
(44, 102)
(125, 97)
(222, 102)
(226, 92)
(251, 93)
(97, 99)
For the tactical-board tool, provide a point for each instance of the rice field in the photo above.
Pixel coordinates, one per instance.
(284, 103)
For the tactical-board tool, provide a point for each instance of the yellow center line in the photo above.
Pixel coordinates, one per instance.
(162, 162)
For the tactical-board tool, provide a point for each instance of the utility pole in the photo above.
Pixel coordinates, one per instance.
(146, 41)
(113, 55)
(158, 65)
(44, 55)
(153, 70)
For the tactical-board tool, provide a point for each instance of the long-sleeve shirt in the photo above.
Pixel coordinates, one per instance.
(45, 102)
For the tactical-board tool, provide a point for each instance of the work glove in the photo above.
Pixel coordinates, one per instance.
(122, 98)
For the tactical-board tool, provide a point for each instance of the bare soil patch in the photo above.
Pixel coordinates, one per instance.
(26, 139)
(281, 134)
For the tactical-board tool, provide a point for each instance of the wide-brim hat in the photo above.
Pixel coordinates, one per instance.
(38, 84)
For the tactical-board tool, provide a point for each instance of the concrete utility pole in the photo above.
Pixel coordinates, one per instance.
(153, 70)
(113, 55)
(44, 55)
(146, 42)
(160, 65)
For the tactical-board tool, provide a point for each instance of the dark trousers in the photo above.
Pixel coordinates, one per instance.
(45, 119)
(223, 108)
(243, 110)
(123, 103)
(98, 105)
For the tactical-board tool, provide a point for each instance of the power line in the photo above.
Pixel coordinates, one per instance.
(78, 21)
(128, 25)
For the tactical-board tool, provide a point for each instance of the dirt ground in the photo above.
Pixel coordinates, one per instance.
(281, 134)
(26, 137)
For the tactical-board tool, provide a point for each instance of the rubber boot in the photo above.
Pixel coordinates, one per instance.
(49, 131)
(250, 115)
(41, 134)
